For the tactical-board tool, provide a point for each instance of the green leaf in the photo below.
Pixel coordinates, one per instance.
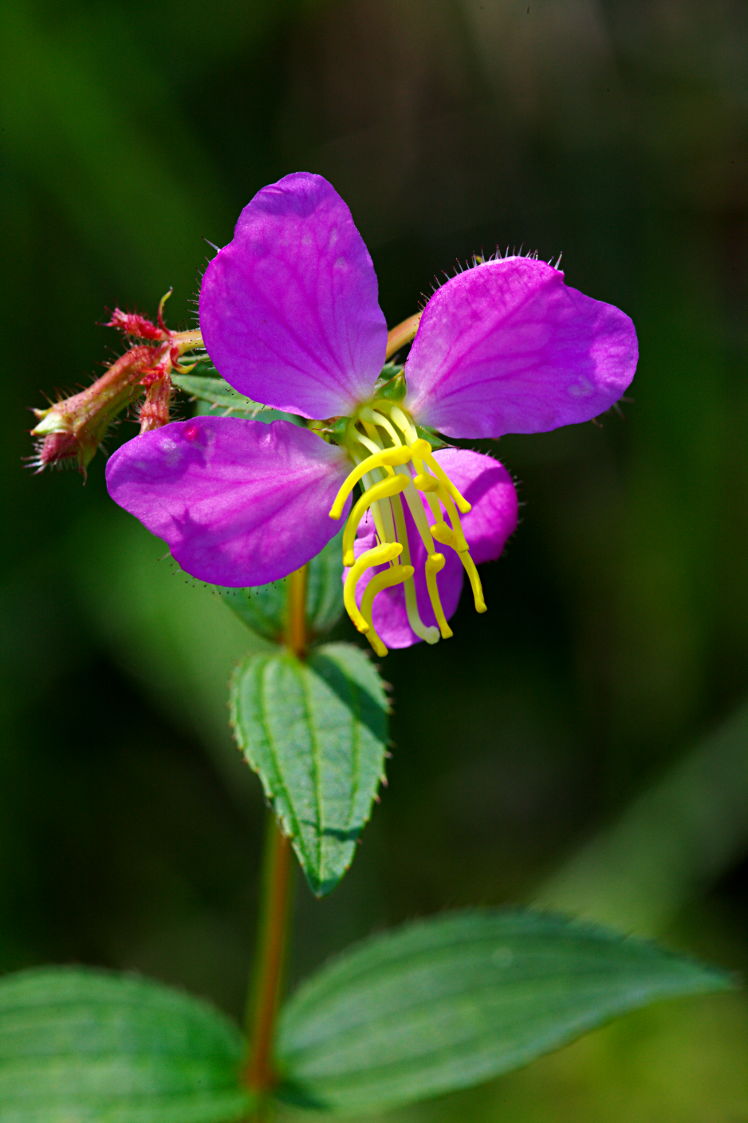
(446, 1003)
(208, 387)
(83, 1046)
(315, 732)
(264, 608)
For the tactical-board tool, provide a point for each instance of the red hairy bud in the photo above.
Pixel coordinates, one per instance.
(71, 430)
(132, 323)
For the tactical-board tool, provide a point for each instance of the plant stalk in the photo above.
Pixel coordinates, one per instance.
(401, 334)
(272, 939)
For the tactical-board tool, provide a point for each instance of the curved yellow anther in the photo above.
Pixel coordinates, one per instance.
(395, 575)
(425, 482)
(434, 564)
(386, 459)
(453, 537)
(421, 450)
(391, 485)
(378, 555)
(449, 536)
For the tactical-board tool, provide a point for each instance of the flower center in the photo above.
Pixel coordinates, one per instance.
(394, 467)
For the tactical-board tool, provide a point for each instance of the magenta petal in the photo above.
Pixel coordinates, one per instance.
(487, 485)
(238, 502)
(288, 309)
(508, 347)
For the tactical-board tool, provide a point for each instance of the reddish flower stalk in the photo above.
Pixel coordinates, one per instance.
(154, 410)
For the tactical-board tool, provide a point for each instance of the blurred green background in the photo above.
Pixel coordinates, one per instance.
(585, 745)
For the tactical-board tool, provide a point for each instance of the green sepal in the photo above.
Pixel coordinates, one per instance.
(85, 1046)
(315, 732)
(391, 383)
(431, 436)
(264, 608)
(449, 1002)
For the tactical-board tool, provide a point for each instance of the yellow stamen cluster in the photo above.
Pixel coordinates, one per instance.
(394, 467)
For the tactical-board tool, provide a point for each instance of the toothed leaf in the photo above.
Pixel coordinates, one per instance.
(315, 731)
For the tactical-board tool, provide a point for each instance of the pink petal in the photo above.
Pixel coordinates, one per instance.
(487, 485)
(238, 502)
(507, 347)
(288, 310)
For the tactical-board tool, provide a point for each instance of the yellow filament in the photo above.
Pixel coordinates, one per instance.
(421, 450)
(383, 523)
(390, 485)
(424, 631)
(384, 580)
(449, 536)
(475, 583)
(378, 555)
(376, 417)
(454, 537)
(433, 566)
(404, 424)
(372, 446)
(435, 563)
(384, 459)
(422, 479)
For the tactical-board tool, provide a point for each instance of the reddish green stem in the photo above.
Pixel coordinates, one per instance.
(259, 1073)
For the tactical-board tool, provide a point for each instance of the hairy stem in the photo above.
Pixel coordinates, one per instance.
(272, 936)
(271, 954)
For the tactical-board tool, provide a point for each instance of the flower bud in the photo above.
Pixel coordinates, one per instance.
(71, 430)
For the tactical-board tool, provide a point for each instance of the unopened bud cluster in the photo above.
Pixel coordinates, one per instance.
(72, 429)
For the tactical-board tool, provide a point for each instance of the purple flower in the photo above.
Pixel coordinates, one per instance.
(289, 315)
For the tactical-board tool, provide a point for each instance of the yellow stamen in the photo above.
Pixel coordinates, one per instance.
(384, 580)
(424, 631)
(378, 555)
(403, 422)
(385, 459)
(421, 450)
(475, 582)
(450, 536)
(376, 417)
(425, 482)
(390, 485)
(434, 564)
(399, 465)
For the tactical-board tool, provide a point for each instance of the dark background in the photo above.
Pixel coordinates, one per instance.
(585, 744)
